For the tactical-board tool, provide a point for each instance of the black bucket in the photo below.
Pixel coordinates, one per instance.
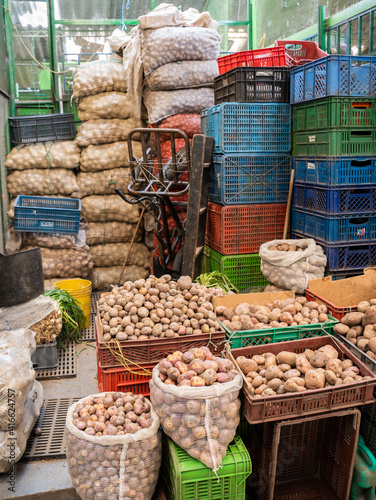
(21, 277)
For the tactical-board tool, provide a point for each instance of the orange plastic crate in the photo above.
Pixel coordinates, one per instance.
(238, 229)
(274, 56)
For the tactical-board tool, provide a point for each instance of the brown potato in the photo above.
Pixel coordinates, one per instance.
(352, 319)
(285, 357)
(291, 386)
(319, 360)
(330, 377)
(302, 364)
(314, 379)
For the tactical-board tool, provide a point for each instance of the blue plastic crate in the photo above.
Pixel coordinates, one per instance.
(46, 215)
(248, 128)
(335, 170)
(241, 178)
(346, 257)
(332, 228)
(335, 75)
(348, 199)
(342, 275)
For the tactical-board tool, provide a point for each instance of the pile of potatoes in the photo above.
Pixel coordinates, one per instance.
(195, 368)
(268, 374)
(360, 327)
(285, 247)
(105, 105)
(99, 76)
(289, 312)
(156, 308)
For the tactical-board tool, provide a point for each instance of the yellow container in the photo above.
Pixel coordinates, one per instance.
(81, 291)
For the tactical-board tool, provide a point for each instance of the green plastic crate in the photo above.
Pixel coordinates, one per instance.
(242, 270)
(248, 338)
(344, 112)
(335, 142)
(185, 478)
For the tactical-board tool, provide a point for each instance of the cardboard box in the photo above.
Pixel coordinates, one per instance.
(257, 299)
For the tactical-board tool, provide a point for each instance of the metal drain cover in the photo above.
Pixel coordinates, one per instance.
(50, 444)
(66, 367)
(88, 334)
(95, 296)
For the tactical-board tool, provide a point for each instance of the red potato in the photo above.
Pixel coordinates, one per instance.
(209, 376)
(182, 367)
(197, 382)
(197, 365)
(173, 373)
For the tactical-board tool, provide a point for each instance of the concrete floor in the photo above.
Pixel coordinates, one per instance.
(49, 479)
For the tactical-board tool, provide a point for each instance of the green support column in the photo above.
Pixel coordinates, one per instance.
(253, 10)
(11, 69)
(52, 46)
(321, 27)
(250, 25)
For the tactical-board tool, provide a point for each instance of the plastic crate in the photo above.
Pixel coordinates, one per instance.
(334, 142)
(368, 426)
(243, 178)
(331, 228)
(147, 352)
(345, 256)
(248, 128)
(350, 199)
(242, 270)
(301, 51)
(46, 215)
(26, 129)
(236, 340)
(274, 56)
(306, 459)
(345, 112)
(45, 356)
(253, 85)
(335, 75)
(235, 229)
(310, 402)
(364, 358)
(342, 275)
(335, 170)
(132, 379)
(186, 478)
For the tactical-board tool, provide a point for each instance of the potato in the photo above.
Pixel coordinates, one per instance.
(352, 319)
(284, 367)
(372, 344)
(268, 392)
(272, 360)
(334, 365)
(257, 381)
(363, 306)
(291, 386)
(291, 373)
(285, 357)
(363, 344)
(314, 379)
(347, 363)
(302, 364)
(308, 353)
(298, 381)
(246, 365)
(261, 388)
(274, 383)
(260, 360)
(369, 316)
(273, 372)
(330, 377)
(330, 351)
(319, 360)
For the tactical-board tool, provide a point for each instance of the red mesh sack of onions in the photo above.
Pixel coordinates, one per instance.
(113, 447)
(195, 395)
(188, 123)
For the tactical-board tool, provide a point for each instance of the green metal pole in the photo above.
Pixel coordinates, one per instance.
(253, 11)
(250, 21)
(52, 46)
(371, 19)
(11, 69)
(360, 22)
(321, 27)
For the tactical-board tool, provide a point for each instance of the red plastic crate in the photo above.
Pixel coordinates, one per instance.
(237, 229)
(303, 52)
(274, 56)
(335, 311)
(122, 380)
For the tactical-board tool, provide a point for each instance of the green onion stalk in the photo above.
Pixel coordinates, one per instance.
(215, 279)
(73, 317)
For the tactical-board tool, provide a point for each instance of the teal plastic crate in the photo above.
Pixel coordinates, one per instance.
(249, 338)
(186, 478)
(242, 270)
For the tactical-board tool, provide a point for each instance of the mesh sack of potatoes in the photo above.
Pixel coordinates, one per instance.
(99, 76)
(47, 329)
(122, 460)
(108, 156)
(183, 75)
(105, 131)
(105, 105)
(101, 183)
(290, 264)
(48, 240)
(169, 44)
(38, 182)
(66, 263)
(113, 254)
(203, 419)
(59, 154)
(111, 232)
(108, 208)
(164, 103)
(105, 277)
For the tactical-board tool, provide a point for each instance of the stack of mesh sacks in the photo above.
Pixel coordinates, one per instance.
(48, 169)
(179, 65)
(104, 109)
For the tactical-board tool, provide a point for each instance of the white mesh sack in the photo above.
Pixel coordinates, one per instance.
(99, 76)
(101, 183)
(290, 264)
(113, 467)
(201, 420)
(108, 208)
(111, 232)
(169, 44)
(59, 154)
(106, 131)
(113, 254)
(38, 182)
(183, 75)
(108, 156)
(164, 103)
(105, 105)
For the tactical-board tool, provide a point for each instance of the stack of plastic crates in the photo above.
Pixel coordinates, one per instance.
(334, 129)
(251, 126)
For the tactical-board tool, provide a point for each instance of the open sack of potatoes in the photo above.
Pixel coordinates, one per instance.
(290, 264)
(113, 447)
(195, 395)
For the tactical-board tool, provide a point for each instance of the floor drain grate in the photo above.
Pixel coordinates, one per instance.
(66, 367)
(95, 296)
(51, 443)
(88, 334)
